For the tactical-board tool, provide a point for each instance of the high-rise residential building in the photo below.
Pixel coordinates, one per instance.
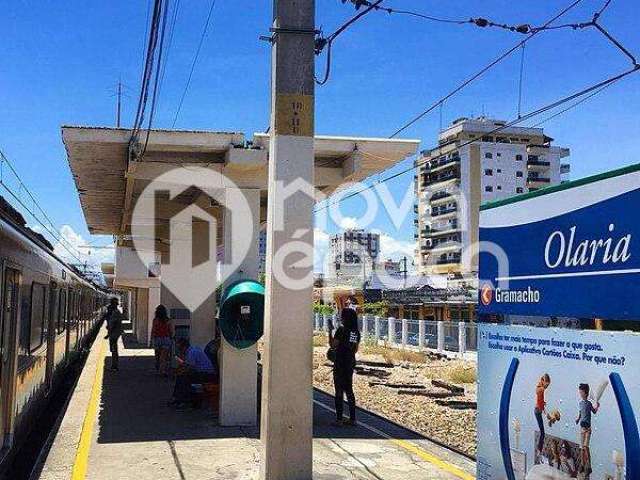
(472, 165)
(262, 251)
(354, 251)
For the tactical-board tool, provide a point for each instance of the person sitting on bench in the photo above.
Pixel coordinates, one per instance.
(194, 367)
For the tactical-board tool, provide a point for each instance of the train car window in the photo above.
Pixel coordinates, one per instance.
(62, 312)
(53, 306)
(25, 315)
(37, 331)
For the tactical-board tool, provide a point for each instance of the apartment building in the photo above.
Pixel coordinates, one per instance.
(472, 165)
(354, 251)
(262, 252)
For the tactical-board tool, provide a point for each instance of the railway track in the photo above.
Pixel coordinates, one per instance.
(389, 427)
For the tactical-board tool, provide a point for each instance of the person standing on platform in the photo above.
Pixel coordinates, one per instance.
(194, 366)
(162, 338)
(114, 319)
(345, 342)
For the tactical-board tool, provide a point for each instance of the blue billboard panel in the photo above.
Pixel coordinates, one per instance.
(557, 404)
(565, 252)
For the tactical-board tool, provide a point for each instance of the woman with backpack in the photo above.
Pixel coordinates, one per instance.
(345, 342)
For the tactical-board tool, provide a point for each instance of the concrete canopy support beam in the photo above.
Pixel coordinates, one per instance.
(154, 301)
(238, 368)
(142, 316)
(287, 408)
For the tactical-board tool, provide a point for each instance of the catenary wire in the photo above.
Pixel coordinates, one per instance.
(23, 186)
(593, 88)
(572, 106)
(62, 241)
(481, 72)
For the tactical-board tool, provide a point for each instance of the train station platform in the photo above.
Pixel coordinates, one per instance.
(117, 425)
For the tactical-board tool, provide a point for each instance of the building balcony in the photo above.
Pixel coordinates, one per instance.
(565, 168)
(438, 165)
(449, 261)
(538, 163)
(445, 247)
(535, 179)
(444, 211)
(442, 194)
(431, 179)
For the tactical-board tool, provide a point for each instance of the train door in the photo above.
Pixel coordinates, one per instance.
(8, 345)
(51, 333)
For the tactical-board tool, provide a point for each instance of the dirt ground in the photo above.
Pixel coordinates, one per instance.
(417, 408)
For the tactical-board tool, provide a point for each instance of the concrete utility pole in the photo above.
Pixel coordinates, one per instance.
(287, 408)
(118, 105)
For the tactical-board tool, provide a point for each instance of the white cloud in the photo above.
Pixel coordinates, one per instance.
(81, 248)
(320, 249)
(74, 248)
(395, 249)
(347, 223)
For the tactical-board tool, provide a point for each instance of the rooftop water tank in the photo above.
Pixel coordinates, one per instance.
(242, 313)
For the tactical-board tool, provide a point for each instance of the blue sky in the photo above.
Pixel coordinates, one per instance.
(59, 62)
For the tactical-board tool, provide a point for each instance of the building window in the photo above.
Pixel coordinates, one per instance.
(499, 187)
(498, 154)
(488, 155)
(499, 170)
(519, 174)
(488, 172)
(488, 188)
(519, 158)
(487, 138)
(519, 190)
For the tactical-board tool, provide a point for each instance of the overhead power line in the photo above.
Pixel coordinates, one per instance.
(482, 71)
(158, 71)
(322, 42)
(592, 90)
(148, 68)
(572, 106)
(42, 218)
(592, 23)
(523, 28)
(194, 62)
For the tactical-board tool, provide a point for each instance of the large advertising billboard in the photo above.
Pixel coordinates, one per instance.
(558, 404)
(571, 250)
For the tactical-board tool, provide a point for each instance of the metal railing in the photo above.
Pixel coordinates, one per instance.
(443, 336)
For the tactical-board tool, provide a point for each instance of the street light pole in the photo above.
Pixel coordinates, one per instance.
(287, 403)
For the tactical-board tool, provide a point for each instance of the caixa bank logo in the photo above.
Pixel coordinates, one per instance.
(525, 295)
(486, 294)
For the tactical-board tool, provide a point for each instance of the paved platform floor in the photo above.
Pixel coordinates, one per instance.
(133, 435)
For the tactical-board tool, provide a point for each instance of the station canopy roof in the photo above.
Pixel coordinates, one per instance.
(109, 180)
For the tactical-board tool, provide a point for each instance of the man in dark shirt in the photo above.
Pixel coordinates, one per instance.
(114, 330)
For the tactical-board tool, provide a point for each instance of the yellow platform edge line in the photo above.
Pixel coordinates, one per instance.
(413, 448)
(81, 463)
(431, 458)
